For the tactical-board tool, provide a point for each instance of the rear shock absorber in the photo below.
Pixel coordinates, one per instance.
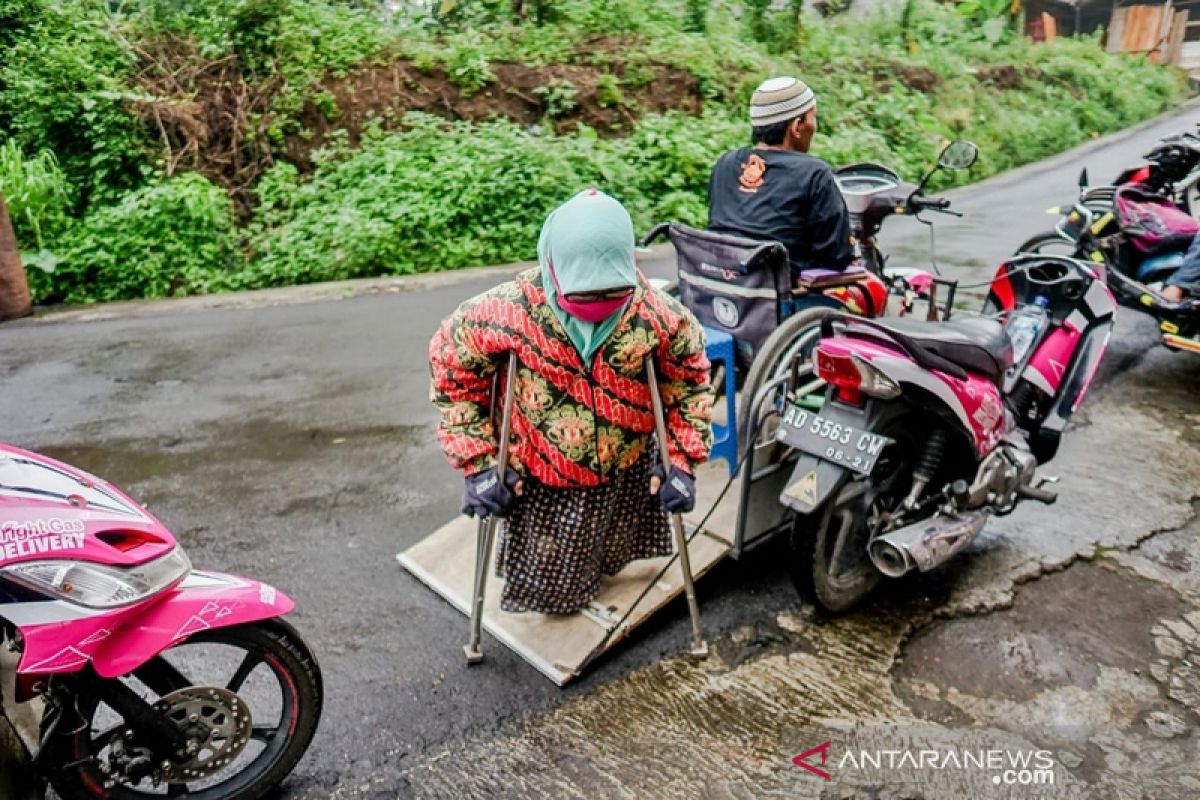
(1022, 402)
(927, 465)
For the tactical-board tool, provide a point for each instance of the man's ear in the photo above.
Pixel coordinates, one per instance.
(797, 126)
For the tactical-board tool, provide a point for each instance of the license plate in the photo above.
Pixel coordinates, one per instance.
(832, 439)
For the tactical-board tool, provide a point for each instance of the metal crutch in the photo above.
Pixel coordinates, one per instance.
(487, 525)
(699, 646)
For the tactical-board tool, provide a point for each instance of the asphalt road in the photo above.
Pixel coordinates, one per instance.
(294, 443)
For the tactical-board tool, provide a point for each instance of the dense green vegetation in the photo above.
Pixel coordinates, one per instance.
(161, 147)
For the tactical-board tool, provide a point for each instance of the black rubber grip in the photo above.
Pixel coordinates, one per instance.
(930, 202)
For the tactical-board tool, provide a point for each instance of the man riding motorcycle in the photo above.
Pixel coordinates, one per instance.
(775, 190)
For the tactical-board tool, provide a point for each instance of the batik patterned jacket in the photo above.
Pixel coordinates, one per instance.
(573, 426)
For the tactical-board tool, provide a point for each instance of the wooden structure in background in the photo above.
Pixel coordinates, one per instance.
(1173, 52)
(1166, 31)
(1156, 30)
(1049, 28)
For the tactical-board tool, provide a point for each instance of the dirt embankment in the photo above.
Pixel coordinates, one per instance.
(210, 117)
(562, 96)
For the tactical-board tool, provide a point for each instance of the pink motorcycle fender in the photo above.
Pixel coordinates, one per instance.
(975, 401)
(204, 601)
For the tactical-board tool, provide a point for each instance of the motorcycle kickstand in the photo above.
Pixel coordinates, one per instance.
(1038, 493)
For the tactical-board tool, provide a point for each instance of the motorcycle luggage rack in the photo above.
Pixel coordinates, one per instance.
(942, 314)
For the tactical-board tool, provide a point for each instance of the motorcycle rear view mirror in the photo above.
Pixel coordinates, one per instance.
(959, 154)
(1083, 179)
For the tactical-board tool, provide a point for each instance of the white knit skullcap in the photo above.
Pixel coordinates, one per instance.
(780, 99)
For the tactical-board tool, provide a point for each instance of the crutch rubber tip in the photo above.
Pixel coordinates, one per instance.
(700, 650)
(474, 654)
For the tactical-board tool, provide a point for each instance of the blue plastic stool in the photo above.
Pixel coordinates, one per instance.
(721, 348)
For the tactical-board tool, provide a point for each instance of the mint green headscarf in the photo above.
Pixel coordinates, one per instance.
(589, 240)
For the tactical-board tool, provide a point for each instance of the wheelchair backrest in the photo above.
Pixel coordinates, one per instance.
(732, 284)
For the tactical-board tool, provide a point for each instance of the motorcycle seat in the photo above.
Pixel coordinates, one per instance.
(977, 344)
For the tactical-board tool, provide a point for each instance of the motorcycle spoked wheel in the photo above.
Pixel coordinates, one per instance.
(830, 563)
(272, 649)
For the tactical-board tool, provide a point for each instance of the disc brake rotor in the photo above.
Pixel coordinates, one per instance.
(216, 722)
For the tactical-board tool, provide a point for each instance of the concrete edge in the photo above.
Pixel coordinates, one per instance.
(341, 290)
(282, 296)
(261, 298)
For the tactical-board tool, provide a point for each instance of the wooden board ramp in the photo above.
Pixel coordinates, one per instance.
(561, 646)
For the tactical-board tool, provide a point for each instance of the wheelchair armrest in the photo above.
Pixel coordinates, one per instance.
(657, 232)
(764, 252)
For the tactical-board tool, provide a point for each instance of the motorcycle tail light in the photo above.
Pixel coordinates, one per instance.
(838, 370)
(853, 377)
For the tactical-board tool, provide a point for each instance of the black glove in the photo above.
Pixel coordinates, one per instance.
(678, 491)
(486, 496)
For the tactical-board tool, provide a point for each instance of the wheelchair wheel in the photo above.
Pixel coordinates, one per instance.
(794, 339)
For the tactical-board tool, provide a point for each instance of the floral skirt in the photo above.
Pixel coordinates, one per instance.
(557, 543)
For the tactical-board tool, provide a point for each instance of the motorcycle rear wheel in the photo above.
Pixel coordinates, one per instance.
(844, 528)
(273, 647)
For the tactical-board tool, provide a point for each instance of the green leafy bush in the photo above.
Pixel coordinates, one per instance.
(176, 237)
(436, 196)
(468, 67)
(36, 192)
(608, 91)
(994, 18)
(558, 98)
(61, 88)
(299, 39)
(445, 195)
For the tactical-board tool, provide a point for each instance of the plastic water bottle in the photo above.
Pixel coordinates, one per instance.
(1024, 324)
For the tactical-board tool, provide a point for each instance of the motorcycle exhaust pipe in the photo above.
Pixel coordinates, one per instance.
(925, 545)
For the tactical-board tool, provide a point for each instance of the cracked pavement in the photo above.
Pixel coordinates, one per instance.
(292, 441)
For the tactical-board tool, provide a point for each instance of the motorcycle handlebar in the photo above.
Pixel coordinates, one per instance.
(933, 203)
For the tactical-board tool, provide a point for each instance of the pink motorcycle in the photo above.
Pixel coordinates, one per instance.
(156, 679)
(928, 428)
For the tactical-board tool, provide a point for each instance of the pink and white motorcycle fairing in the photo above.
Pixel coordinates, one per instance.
(92, 588)
(928, 428)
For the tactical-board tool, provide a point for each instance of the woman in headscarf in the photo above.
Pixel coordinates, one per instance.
(583, 494)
